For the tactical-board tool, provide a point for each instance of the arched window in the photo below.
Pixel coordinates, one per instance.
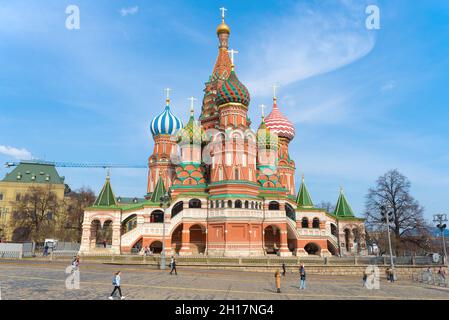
(177, 208)
(157, 216)
(217, 203)
(252, 204)
(305, 222)
(273, 205)
(222, 203)
(236, 174)
(229, 203)
(238, 204)
(246, 204)
(195, 203)
(290, 212)
(212, 204)
(316, 223)
(334, 230)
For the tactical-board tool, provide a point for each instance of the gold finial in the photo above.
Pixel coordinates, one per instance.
(223, 27)
(167, 99)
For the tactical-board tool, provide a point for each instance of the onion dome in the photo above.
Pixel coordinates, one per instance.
(192, 133)
(279, 124)
(223, 28)
(232, 90)
(265, 138)
(166, 122)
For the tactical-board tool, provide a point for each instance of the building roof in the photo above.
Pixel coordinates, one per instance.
(343, 209)
(34, 172)
(158, 192)
(166, 122)
(232, 90)
(106, 197)
(304, 200)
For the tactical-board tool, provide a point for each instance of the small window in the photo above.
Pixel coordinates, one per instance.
(18, 197)
(49, 215)
(1, 196)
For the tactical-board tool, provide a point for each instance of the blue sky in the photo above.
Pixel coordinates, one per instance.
(363, 101)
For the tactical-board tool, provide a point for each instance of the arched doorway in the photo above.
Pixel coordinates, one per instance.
(176, 239)
(103, 235)
(312, 248)
(129, 223)
(198, 239)
(137, 246)
(272, 239)
(156, 247)
(177, 208)
(157, 216)
(347, 240)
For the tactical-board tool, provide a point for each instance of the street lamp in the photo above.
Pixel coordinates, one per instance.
(440, 219)
(387, 217)
(165, 201)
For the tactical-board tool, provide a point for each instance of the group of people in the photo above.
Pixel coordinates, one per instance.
(302, 277)
(146, 251)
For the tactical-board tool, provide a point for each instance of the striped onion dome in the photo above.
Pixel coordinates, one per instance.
(165, 123)
(279, 124)
(232, 90)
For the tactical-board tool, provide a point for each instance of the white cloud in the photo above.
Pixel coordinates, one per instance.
(19, 154)
(129, 11)
(307, 43)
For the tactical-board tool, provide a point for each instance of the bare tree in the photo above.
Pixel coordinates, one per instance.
(76, 203)
(392, 190)
(35, 213)
(326, 205)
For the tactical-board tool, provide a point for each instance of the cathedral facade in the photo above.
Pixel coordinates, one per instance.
(217, 187)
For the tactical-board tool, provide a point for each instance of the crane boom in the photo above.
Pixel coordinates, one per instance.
(78, 165)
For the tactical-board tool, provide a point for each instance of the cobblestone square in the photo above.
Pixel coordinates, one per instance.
(39, 280)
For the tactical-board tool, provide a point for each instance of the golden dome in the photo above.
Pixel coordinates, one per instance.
(223, 28)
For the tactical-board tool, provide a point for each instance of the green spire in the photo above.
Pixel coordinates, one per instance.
(343, 209)
(106, 197)
(159, 191)
(304, 200)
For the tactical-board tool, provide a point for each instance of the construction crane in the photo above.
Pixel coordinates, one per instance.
(77, 165)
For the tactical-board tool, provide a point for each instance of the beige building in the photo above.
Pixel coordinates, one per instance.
(16, 185)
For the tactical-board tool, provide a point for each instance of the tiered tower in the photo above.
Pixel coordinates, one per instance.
(164, 129)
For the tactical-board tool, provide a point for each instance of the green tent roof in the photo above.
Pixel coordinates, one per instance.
(304, 200)
(343, 209)
(158, 192)
(34, 172)
(106, 197)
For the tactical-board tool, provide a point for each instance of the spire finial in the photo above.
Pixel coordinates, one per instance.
(262, 107)
(192, 109)
(167, 99)
(108, 174)
(274, 86)
(303, 178)
(232, 52)
(341, 190)
(223, 10)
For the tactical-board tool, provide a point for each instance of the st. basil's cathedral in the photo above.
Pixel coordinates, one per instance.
(228, 190)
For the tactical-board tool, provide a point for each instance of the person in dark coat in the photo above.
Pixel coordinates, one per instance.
(173, 266)
(283, 269)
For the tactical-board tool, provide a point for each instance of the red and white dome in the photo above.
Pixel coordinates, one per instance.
(279, 124)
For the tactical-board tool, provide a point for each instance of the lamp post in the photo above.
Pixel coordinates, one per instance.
(386, 216)
(165, 200)
(440, 219)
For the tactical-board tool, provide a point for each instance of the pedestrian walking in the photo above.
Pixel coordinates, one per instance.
(104, 243)
(302, 277)
(283, 269)
(173, 266)
(364, 278)
(442, 274)
(75, 263)
(277, 277)
(45, 250)
(116, 283)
